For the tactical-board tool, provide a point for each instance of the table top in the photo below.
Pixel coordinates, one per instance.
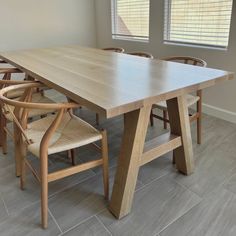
(111, 83)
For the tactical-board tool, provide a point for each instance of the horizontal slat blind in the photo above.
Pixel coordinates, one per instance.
(130, 19)
(200, 22)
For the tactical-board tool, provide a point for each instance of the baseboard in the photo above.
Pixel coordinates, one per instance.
(219, 113)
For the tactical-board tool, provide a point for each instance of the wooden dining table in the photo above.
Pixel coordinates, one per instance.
(114, 84)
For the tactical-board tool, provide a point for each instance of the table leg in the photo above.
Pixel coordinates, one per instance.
(135, 129)
(180, 125)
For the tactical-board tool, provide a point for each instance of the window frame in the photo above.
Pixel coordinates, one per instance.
(116, 36)
(167, 32)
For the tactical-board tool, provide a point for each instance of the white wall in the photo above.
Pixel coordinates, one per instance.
(43, 23)
(222, 96)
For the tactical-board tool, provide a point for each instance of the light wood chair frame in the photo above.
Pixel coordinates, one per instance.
(197, 116)
(115, 49)
(142, 54)
(7, 72)
(6, 81)
(19, 115)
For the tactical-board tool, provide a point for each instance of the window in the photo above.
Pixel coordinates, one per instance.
(130, 19)
(199, 22)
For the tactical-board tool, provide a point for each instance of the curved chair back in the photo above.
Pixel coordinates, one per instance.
(9, 70)
(5, 82)
(24, 104)
(141, 54)
(25, 100)
(7, 74)
(119, 50)
(187, 60)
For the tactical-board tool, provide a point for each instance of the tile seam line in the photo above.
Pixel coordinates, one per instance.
(76, 225)
(53, 218)
(83, 221)
(186, 188)
(5, 205)
(152, 181)
(177, 218)
(103, 225)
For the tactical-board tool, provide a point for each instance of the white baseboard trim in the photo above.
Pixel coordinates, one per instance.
(219, 113)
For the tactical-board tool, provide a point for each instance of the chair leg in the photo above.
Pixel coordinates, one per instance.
(71, 155)
(199, 131)
(151, 118)
(23, 167)
(165, 116)
(199, 122)
(3, 134)
(17, 144)
(4, 138)
(173, 160)
(1, 125)
(44, 189)
(105, 164)
(97, 119)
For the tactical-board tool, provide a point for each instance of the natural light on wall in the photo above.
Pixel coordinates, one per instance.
(199, 22)
(130, 19)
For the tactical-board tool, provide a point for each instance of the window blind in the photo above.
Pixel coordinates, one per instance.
(200, 22)
(130, 19)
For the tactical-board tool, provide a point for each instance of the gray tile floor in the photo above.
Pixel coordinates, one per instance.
(166, 203)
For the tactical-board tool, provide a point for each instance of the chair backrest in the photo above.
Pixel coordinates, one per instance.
(25, 101)
(24, 104)
(141, 54)
(6, 83)
(187, 60)
(119, 50)
(7, 74)
(9, 70)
